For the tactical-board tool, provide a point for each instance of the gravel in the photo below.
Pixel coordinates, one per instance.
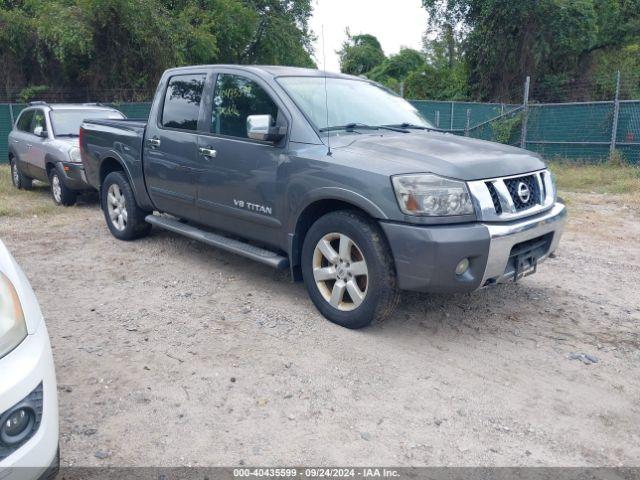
(173, 353)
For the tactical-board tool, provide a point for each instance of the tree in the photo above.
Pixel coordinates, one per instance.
(553, 41)
(360, 54)
(116, 45)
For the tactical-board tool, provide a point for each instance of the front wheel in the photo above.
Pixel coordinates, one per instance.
(62, 195)
(348, 269)
(124, 217)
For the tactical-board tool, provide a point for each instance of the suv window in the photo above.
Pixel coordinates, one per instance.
(38, 121)
(234, 100)
(182, 102)
(24, 122)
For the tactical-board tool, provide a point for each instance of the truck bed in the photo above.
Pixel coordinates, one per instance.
(121, 140)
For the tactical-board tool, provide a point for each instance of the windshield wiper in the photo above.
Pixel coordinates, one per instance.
(414, 126)
(363, 126)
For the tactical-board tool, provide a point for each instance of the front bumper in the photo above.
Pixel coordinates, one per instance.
(74, 176)
(23, 370)
(426, 257)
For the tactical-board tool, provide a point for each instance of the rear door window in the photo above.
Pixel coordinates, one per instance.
(24, 122)
(182, 102)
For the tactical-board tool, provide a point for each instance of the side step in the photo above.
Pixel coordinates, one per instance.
(224, 243)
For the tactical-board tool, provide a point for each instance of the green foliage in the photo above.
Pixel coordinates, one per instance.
(360, 54)
(127, 44)
(557, 42)
(506, 128)
(396, 68)
(31, 93)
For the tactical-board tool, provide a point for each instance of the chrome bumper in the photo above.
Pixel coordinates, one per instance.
(505, 236)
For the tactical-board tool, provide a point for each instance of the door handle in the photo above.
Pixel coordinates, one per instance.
(208, 152)
(29, 146)
(155, 142)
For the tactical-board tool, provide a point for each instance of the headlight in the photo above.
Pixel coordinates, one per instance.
(13, 328)
(74, 154)
(431, 195)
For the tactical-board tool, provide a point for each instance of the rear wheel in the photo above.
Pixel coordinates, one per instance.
(62, 195)
(19, 179)
(348, 270)
(124, 217)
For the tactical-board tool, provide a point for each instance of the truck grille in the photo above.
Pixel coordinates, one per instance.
(494, 197)
(508, 198)
(513, 185)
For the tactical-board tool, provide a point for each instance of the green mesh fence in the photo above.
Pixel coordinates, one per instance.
(574, 131)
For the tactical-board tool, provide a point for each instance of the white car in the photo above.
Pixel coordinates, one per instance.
(28, 392)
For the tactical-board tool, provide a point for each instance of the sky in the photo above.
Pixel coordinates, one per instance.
(398, 23)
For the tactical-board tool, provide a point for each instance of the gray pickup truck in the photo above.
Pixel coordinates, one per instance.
(331, 176)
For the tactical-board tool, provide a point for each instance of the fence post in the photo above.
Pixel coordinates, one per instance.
(525, 113)
(11, 114)
(452, 104)
(438, 118)
(616, 113)
(466, 128)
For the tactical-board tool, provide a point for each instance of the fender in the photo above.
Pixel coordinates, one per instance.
(136, 181)
(319, 194)
(337, 193)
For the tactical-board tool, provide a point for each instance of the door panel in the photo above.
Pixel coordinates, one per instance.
(171, 146)
(237, 187)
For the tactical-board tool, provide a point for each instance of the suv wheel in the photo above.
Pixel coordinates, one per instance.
(19, 179)
(348, 269)
(61, 194)
(124, 217)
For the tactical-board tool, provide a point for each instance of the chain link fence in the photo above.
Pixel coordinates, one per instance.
(582, 131)
(586, 131)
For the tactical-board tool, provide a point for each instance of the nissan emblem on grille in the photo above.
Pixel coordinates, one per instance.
(523, 192)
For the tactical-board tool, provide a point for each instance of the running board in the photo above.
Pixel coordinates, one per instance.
(224, 243)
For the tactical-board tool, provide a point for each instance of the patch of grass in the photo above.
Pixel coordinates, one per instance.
(602, 178)
(23, 203)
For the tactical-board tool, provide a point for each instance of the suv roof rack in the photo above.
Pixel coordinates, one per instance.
(38, 102)
(94, 104)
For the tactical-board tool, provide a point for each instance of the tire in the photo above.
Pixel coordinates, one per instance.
(19, 179)
(61, 194)
(124, 217)
(346, 291)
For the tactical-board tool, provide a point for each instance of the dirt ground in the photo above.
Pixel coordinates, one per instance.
(172, 353)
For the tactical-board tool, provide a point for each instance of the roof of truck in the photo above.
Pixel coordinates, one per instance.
(274, 70)
(71, 106)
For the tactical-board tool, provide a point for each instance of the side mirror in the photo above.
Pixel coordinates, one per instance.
(259, 127)
(39, 132)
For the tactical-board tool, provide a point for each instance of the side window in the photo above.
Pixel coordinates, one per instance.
(38, 123)
(182, 102)
(24, 122)
(234, 100)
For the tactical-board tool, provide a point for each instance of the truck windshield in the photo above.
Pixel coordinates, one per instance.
(351, 102)
(66, 123)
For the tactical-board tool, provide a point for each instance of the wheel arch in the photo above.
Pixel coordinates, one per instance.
(315, 209)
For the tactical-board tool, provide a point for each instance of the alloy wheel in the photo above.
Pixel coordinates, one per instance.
(15, 175)
(56, 188)
(117, 207)
(340, 271)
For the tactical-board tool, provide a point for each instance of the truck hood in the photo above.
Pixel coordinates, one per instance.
(444, 154)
